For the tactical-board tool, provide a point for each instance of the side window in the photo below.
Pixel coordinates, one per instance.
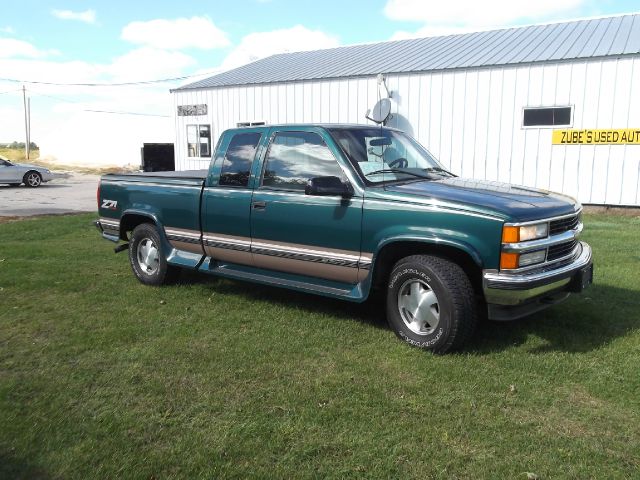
(236, 166)
(295, 157)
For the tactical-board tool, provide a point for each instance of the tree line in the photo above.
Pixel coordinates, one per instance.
(20, 145)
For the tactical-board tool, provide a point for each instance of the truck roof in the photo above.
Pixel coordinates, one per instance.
(333, 126)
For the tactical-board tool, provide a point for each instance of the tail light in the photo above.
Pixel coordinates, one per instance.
(98, 195)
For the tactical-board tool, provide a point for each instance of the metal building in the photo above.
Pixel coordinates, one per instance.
(552, 106)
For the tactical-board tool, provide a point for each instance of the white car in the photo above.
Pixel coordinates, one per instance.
(17, 173)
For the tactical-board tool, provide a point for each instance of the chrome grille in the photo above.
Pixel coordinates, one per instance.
(564, 224)
(561, 250)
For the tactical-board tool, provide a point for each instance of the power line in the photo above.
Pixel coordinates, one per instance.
(121, 84)
(128, 113)
(37, 94)
(11, 91)
(75, 102)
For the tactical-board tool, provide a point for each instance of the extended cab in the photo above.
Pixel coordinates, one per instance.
(345, 210)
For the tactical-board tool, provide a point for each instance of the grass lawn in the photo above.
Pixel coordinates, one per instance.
(102, 377)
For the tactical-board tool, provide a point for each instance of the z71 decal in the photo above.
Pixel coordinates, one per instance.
(110, 204)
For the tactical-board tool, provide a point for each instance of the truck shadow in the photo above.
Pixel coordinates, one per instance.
(13, 467)
(583, 323)
(580, 324)
(371, 312)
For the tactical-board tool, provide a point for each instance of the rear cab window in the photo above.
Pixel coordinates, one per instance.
(236, 164)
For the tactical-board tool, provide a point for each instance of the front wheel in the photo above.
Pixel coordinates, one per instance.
(431, 303)
(147, 259)
(32, 179)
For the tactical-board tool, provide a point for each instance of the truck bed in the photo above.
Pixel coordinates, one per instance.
(168, 198)
(191, 174)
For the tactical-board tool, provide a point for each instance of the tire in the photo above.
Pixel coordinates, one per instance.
(431, 303)
(32, 179)
(147, 259)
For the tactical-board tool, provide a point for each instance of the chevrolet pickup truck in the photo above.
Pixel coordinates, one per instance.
(348, 210)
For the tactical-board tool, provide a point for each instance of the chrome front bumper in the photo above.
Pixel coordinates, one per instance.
(514, 295)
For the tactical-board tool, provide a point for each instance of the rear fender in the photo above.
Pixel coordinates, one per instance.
(132, 218)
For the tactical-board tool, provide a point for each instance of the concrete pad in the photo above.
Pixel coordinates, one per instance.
(67, 193)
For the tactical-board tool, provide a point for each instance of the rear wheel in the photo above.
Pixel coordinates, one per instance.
(147, 259)
(431, 303)
(32, 179)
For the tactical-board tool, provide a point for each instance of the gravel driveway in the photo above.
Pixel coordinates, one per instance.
(68, 193)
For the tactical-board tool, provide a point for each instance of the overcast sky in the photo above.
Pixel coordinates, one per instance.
(121, 41)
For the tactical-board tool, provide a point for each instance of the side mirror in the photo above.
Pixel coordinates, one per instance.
(328, 186)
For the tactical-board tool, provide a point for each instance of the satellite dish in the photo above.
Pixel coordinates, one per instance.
(380, 111)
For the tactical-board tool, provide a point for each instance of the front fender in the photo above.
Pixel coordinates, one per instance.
(434, 241)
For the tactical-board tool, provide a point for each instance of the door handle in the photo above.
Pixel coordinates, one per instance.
(259, 205)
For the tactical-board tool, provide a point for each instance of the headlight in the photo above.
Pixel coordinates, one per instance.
(523, 233)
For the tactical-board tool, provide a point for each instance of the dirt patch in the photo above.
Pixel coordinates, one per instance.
(18, 218)
(57, 167)
(618, 211)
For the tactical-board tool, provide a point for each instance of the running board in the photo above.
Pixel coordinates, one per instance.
(229, 271)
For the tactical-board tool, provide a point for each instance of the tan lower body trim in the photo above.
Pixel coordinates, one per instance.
(185, 240)
(329, 263)
(306, 267)
(228, 248)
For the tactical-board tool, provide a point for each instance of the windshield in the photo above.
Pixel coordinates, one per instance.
(383, 155)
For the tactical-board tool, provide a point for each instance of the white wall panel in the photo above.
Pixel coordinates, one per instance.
(629, 193)
(468, 135)
(493, 131)
(470, 119)
(433, 141)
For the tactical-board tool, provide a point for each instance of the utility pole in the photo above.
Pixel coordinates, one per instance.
(26, 122)
(28, 128)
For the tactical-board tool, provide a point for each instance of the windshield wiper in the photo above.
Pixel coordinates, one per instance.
(397, 170)
(438, 170)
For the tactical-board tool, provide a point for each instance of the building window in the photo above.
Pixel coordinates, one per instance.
(250, 124)
(236, 166)
(295, 157)
(198, 140)
(547, 116)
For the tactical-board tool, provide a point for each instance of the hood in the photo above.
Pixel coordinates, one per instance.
(520, 204)
(27, 165)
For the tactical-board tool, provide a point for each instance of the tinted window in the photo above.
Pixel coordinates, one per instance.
(295, 157)
(236, 166)
(547, 117)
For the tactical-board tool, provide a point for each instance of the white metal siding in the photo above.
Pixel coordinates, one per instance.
(470, 119)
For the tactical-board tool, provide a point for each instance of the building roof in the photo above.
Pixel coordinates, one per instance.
(581, 39)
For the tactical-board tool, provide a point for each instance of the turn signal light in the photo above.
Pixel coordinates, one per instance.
(510, 234)
(508, 260)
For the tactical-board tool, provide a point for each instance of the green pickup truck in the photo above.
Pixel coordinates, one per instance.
(348, 210)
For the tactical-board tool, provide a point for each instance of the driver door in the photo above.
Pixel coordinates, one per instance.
(313, 236)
